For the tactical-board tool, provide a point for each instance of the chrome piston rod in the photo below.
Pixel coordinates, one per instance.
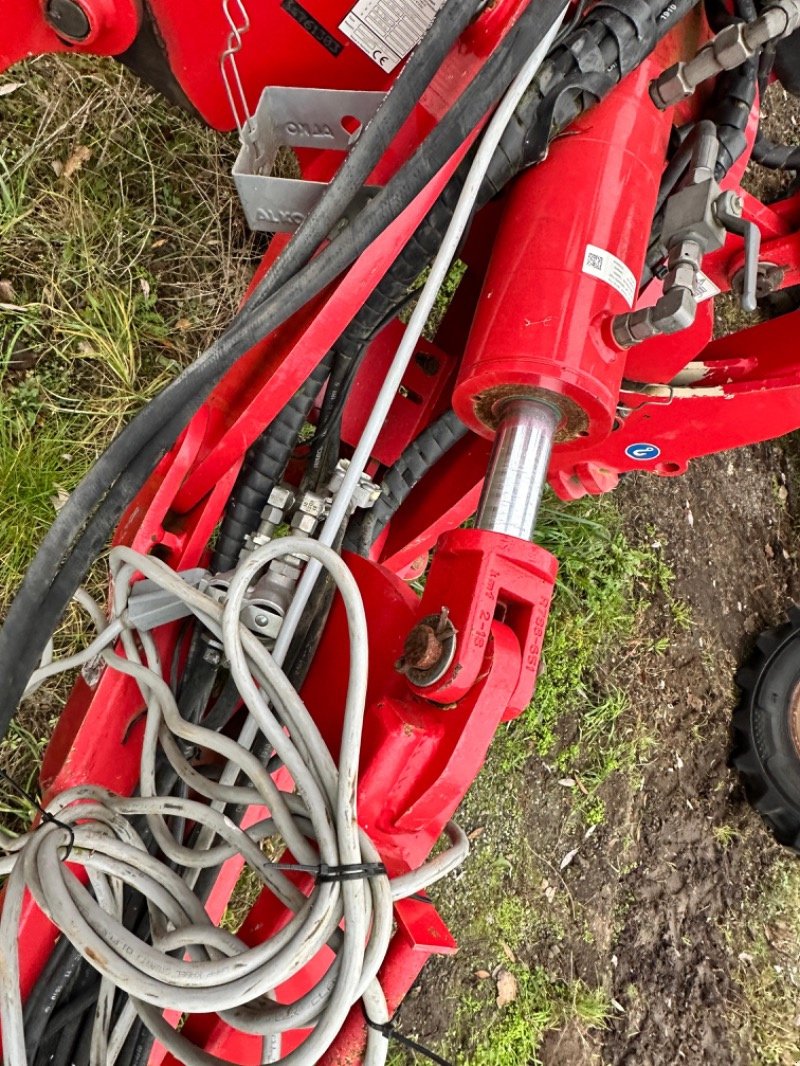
(517, 473)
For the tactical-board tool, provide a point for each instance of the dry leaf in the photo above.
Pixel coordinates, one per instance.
(567, 782)
(81, 155)
(482, 975)
(10, 87)
(60, 498)
(509, 954)
(7, 294)
(477, 832)
(567, 859)
(183, 324)
(507, 988)
(159, 243)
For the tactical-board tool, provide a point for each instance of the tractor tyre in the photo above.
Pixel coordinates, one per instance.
(766, 730)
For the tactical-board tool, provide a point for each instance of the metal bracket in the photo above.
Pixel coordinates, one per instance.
(150, 606)
(296, 118)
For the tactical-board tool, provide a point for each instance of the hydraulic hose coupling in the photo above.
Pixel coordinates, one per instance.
(731, 47)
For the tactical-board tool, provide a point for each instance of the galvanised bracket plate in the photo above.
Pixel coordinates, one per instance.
(295, 118)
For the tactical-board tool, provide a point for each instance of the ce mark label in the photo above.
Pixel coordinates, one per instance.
(388, 63)
(642, 452)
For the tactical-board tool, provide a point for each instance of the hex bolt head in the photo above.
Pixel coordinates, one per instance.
(68, 19)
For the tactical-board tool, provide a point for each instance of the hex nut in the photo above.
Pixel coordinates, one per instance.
(304, 523)
(311, 504)
(281, 497)
(670, 88)
(730, 47)
(682, 275)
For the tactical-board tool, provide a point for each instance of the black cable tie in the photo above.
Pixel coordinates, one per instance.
(352, 872)
(326, 874)
(389, 1030)
(46, 815)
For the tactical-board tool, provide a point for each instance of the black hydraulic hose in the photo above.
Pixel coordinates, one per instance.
(776, 156)
(89, 541)
(376, 137)
(263, 469)
(613, 39)
(432, 228)
(87, 519)
(420, 456)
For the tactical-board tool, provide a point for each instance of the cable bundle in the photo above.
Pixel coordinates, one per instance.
(191, 965)
(176, 959)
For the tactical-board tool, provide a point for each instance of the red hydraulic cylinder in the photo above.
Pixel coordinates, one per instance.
(568, 255)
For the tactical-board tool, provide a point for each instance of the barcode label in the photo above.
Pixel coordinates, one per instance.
(387, 30)
(604, 265)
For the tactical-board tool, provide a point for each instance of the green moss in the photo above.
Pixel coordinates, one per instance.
(514, 1034)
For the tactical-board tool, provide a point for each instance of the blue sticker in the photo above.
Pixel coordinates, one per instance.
(643, 453)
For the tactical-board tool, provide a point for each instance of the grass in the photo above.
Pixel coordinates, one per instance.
(542, 1006)
(765, 944)
(583, 729)
(122, 254)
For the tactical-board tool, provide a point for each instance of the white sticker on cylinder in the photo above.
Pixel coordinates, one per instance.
(387, 30)
(604, 265)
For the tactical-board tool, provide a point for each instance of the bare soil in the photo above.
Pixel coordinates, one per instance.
(735, 566)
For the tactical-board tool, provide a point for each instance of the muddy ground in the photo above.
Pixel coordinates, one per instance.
(660, 896)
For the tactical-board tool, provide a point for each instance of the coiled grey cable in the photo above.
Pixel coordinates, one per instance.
(214, 971)
(319, 824)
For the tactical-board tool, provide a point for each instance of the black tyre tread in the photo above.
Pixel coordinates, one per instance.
(763, 792)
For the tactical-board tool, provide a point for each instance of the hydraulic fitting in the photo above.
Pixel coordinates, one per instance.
(697, 219)
(728, 49)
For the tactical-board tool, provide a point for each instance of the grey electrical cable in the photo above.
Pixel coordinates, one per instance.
(441, 264)
(220, 973)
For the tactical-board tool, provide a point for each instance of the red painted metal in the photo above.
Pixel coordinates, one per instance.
(423, 394)
(113, 25)
(748, 390)
(538, 322)
(539, 325)
(480, 577)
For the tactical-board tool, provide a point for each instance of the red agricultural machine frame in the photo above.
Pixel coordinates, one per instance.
(529, 318)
